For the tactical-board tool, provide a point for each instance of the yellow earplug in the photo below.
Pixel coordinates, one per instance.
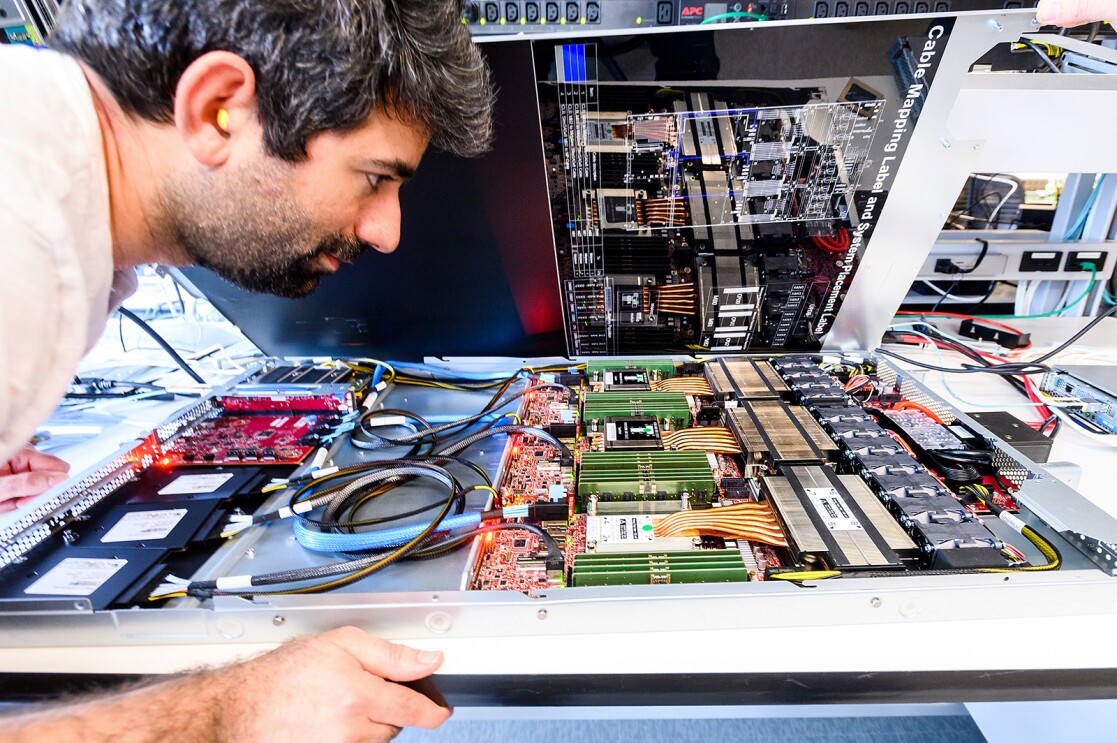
(223, 119)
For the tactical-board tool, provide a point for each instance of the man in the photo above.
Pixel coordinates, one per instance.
(1072, 13)
(266, 140)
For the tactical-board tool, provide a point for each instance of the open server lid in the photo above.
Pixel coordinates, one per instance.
(661, 191)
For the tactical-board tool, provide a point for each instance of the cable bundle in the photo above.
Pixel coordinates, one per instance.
(839, 243)
(697, 386)
(752, 521)
(678, 299)
(663, 212)
(715, 439)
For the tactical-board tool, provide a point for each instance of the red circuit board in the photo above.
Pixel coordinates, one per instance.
(1001, 497)
(548, 406)
(575, 540)
(533, 467)
(511, 561)
(727, 467)
(284, 403)
(245, 439)
(766, 557)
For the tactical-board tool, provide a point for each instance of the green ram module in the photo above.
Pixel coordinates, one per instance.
(659, 368)
(701, 566)
(670, 408)
(646, 474)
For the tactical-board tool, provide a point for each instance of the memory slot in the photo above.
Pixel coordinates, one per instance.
(671, 409)
(646, 476)
(704, 566)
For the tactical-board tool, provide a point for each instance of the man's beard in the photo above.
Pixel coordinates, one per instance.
(266, 243)
(292, 277)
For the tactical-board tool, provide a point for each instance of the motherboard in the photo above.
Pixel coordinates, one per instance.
(744, 469)
(616, 472)
(700, 217)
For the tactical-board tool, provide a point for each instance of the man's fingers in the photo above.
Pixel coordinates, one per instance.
(1075, 12)
(27, 484)
(385, 659)
(30, 459)
(384, 733)
(399, 706)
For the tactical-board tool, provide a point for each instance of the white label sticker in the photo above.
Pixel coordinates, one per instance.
(140, 525)
(76, 576)
(620, 529)
(190, 484)
(833, 509)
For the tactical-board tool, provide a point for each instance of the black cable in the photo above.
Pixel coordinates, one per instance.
(374, 477)
(945, 294)
(1002, 369)
(980, 257)
(447, 544)
(957, 270)
(1068, 343)
(972, 353)
(494, 404)
(1043, 55)
(363, 438)
(989, 293)
(354, 569)
(1054, 429)
(162, 343)
(564, 453)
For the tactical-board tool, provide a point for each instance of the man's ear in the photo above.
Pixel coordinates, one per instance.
(215, 102)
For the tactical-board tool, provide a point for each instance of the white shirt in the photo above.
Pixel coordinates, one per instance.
(56, 265)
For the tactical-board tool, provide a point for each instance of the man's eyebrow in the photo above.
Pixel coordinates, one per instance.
(398, 168)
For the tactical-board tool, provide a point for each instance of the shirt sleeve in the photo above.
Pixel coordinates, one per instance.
(43, 319)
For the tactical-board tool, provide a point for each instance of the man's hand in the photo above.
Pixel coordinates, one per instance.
(28, 473)
(336, 686)
(1071, 13)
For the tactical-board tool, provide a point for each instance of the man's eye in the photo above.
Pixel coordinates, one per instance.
(375, 181)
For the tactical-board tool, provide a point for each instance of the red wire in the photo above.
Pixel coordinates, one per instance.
(910, 405)
(966, 317)
(1029, 386)
(828, 244)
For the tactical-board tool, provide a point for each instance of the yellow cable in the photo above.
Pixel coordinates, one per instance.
(807, 575)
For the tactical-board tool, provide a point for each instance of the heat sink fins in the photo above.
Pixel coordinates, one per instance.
(745, 379)
(771, 431)
(837, 521)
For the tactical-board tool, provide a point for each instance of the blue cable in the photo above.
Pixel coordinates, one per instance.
(317, 541)
(1075, 231)
(440, 372)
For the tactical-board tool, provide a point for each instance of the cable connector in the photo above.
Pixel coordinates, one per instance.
(999, 335)
(947, 266)
(553, 511)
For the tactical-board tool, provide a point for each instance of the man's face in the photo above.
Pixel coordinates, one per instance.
(277, 227)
